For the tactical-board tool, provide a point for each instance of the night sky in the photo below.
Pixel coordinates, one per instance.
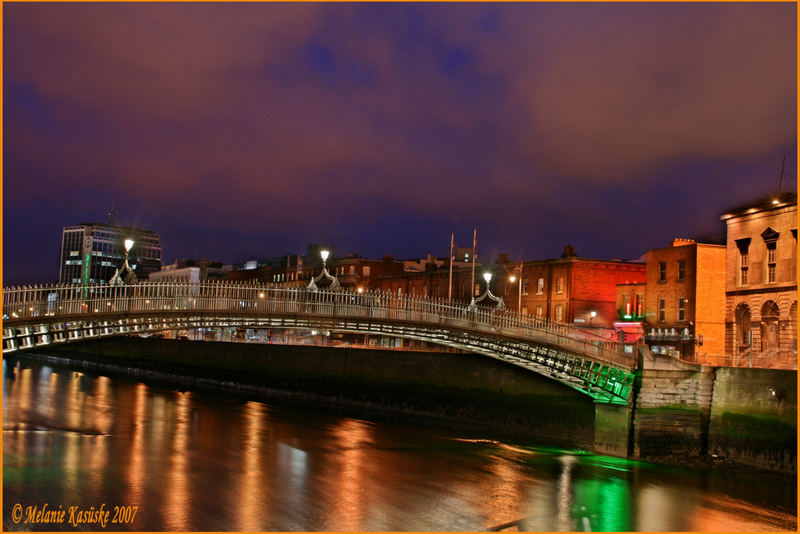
(243, 131)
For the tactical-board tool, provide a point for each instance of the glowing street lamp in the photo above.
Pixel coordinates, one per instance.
(487, 294)
(592, 315)
(312, 286)
(512, 279)
(126, 274)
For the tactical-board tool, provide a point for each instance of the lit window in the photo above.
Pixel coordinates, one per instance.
(559, 312)
(365, 270)
(525, 286)
(540, 286)
(560, 284)
(539, 310)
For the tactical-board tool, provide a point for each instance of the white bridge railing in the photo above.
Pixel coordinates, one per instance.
(41, 304)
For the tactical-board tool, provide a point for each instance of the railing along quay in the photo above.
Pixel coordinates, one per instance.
(50, 302)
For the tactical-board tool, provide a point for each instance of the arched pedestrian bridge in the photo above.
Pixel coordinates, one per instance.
(39, 316)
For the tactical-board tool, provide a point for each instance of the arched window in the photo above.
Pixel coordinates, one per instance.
(769, 326)
(743, 334)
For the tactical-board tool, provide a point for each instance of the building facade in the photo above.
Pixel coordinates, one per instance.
(685, 299)
(570, 289)
(761, 281)
(92, 252)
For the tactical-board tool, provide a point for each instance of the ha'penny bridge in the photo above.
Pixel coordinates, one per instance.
(40, 316)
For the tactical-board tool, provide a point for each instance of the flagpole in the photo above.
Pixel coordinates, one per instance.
(450, 284)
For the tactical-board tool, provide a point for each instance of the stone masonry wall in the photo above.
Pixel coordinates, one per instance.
(672, 408)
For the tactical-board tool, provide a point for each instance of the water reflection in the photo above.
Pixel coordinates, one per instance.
(195, 461)
(253, 492)
(178, 499)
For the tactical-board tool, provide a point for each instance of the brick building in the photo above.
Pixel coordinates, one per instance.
(356, 272)
(685, 299)
(761, 281)
(565, 290)
(570, 289)
(433, 282)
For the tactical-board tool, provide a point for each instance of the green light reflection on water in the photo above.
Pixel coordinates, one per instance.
(602, 504)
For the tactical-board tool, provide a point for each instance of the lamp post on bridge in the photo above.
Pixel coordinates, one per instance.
(125, 275)
(487, 294)
(312, 286)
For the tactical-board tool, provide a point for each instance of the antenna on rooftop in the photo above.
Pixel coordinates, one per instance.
(111, 216)
(780, 182)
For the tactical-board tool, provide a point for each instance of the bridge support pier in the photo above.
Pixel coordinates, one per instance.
(612, 429)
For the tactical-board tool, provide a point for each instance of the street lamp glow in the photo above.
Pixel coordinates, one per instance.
(487, 277)
(324, 254)
(360, 289)
(512, 279)
(129, 244)
(593, 314)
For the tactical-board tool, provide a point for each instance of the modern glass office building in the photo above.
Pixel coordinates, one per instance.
(92, 252)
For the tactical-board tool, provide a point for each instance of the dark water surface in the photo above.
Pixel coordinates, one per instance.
(197, 461)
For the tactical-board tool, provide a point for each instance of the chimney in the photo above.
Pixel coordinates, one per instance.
(680, 241)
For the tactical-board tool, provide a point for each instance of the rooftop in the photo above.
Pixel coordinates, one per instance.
(762, 204)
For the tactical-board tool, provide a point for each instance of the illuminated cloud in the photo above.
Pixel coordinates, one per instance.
(271, 124)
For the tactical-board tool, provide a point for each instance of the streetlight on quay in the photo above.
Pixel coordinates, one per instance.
(512, 279)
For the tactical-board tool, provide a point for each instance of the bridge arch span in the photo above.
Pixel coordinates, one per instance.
(50, 315)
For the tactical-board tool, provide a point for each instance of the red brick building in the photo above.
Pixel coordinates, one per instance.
(572, 289)
(434, 282)
(355, 272)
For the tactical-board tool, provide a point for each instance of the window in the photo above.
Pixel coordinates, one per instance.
(352, 269)
(771, 262)
(525, 286)
(477, 290)
(626, 306)
(640, 305)
(743, 266)
(366, 270)
(662, 271)
(560, 284)
(662, 310)
(539, 310)
(681, 309)
(540, 286)
(681, 270)
(559, 312)
(524, 310)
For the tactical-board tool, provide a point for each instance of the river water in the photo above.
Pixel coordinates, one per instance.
(196, 461)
